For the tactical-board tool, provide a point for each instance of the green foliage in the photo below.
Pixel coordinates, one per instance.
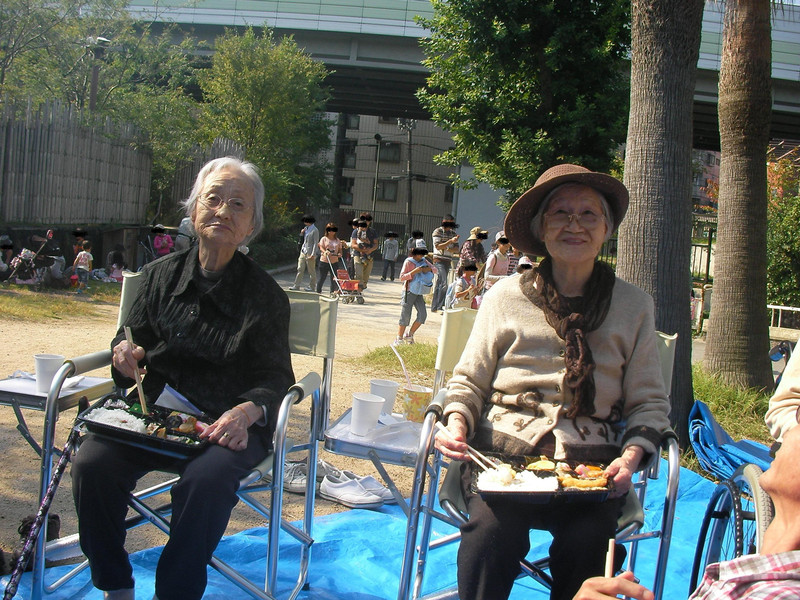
(268, 97)
(525, 85)
(783, 252)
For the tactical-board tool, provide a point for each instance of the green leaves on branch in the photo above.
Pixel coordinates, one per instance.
(524, 85)
(268, 96)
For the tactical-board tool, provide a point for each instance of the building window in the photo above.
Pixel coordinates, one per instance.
(448, 194)
(352, 121)
(346, 191)
(387, 190)
(390, 152)
(349, 153)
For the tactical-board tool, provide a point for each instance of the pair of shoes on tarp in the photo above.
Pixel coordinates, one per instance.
(344, 487)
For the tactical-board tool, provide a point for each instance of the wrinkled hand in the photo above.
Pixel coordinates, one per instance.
(621, 470)
(125, 357)
(230, 430)
(608, 588)
(455, 445)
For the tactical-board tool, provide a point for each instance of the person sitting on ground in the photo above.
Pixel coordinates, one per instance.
(417, 278)
(784, 406)
(773, 574)
(562, 361)
(214, 325)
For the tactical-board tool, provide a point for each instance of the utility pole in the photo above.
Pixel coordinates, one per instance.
(377, 168)
(408, 126)
(98, 49)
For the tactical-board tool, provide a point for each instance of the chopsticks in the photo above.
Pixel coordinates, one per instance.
(610, 558)
(137, 375)
(483, 462)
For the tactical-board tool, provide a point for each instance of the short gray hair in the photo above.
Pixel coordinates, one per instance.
(537, 223)
(247, 169)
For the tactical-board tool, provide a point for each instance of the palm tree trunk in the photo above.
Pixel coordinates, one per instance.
(738, 331)
(655, 239)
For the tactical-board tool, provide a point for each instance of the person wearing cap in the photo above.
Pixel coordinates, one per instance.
(307, 260)
(473, 251)
(162, 242)
(562, 361)
(497, 261)
(416, 275)
(363, 242)
(445, 249)
(417, 240)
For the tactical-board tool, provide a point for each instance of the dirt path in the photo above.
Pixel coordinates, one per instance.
(360, 329)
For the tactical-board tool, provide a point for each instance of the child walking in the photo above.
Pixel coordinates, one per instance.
(83, 265)
(391, 250)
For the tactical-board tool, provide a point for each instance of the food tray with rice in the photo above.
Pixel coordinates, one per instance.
(163, 431)
(539, 480)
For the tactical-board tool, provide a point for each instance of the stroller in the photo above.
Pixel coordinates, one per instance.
(32, 267)
(348, 288)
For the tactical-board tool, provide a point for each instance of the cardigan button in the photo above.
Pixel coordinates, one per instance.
(549, 421)
(558, 388)
(561, 353)
(193, 312)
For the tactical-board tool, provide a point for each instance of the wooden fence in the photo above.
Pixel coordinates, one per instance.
(56, 170)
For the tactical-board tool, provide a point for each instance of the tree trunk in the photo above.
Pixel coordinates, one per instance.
(738, 331)
(655, 238)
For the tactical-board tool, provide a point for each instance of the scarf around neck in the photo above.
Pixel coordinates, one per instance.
(571, 319)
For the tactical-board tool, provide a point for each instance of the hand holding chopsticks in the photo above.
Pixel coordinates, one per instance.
(137, 375)
(477, 457)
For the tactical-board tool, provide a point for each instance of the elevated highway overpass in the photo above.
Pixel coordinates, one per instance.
(372, 47)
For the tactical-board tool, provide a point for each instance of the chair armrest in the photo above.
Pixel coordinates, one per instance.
(306, 386)
(437, 404)
(90, 362)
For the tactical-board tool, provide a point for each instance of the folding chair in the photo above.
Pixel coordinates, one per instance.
(458, 323)
(312, 330)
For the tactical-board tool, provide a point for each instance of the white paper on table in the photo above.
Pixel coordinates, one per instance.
(69, 382)
(174, 400)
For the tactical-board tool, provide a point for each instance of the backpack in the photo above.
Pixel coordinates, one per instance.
(450, 296)
(422, 283)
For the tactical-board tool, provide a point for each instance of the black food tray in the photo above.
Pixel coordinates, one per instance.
(177, 449)
(560, 496)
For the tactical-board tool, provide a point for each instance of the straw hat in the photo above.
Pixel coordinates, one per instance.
(473, 233)
(518, 224)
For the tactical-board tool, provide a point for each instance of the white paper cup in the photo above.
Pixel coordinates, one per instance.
(366, 410)
(415, 401)
(47, 365)
(385, 389)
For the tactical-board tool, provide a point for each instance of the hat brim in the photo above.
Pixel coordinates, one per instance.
(518, 220)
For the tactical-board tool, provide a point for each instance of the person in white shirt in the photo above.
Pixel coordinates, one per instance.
(307, 261)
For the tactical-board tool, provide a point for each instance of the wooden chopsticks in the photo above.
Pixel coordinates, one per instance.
(137, 376)
(479, 459)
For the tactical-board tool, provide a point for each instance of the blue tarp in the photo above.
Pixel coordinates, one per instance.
(357, 555)
(716, 450)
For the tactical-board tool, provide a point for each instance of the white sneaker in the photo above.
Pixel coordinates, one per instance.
(398, 341)
(308, 288)
(373, 486)
(408, 339)
(294, 288)
(324, 469)
(295, 477)
(348, 492)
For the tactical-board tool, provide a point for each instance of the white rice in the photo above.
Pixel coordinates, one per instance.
(116, 417)
(524, 481)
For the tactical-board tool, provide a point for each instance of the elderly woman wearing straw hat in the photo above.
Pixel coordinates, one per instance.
(562, 362)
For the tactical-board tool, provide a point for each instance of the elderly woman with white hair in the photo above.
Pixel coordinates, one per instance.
(213, 325)
(562, 361)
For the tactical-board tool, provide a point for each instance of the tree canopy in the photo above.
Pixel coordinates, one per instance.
(525, 85)
(268, 96)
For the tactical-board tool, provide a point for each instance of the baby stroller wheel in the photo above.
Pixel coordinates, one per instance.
(347, 299)
(360, 300)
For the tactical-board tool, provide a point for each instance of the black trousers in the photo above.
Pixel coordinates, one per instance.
(496, 538)
(105, 472)
(387, 265)
(324, 271)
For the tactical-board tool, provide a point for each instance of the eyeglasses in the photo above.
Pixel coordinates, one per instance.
(214, 202)
(562, 218)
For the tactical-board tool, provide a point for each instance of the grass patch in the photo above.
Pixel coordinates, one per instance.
(27, 304)
(739, 412)
(420, 360)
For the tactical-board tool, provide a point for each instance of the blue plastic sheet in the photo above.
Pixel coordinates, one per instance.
(717, 452)
(357, 555)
